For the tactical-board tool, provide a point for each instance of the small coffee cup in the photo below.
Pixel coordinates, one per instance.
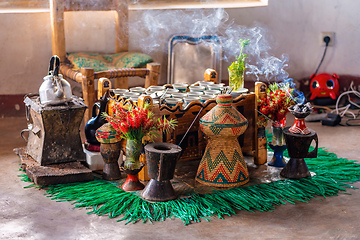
(212, 92)
(206, 84)
(182, 87)
(155, 88)
(134, 99)
(197, 88)
(204, 98)
(139, 90)
(178, 95)
(195, 94)
(119, 91)
(216, 87)
(131, 94)
(171, 102)
(188, 100)
(171, 90)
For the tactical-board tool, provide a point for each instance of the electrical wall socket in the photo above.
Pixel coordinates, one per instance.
(329, 34)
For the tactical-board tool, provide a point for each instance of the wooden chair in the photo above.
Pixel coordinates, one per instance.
(87, 76)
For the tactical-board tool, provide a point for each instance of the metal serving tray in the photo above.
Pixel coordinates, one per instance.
(190, 55)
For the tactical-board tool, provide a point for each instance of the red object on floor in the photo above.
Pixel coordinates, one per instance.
(324, 85)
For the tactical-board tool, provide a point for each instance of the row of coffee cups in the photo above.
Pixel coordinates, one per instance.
(204, 91)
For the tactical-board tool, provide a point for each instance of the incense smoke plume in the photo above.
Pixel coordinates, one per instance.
(150, 31)
(154, 28)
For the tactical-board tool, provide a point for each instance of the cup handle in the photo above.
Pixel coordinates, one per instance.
(313, 153)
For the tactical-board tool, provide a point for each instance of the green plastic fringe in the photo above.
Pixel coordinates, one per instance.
(333, 175)
(25, 178)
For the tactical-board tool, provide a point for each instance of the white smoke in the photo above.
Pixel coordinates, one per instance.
(264, 64)
(153, 29)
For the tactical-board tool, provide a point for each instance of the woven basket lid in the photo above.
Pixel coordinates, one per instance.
(223, 114)
(106, 134)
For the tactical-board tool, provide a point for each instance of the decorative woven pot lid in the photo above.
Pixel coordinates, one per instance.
(106, 134)
(225, 118)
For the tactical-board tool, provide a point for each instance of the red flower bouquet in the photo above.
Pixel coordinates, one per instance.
(133, 124)
(276, 103)
(136, 123)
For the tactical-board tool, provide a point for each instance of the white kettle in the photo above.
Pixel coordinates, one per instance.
(54, 90)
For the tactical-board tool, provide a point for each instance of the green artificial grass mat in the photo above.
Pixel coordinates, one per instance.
(333, 175)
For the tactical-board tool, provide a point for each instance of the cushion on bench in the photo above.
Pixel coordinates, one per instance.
(104, 62)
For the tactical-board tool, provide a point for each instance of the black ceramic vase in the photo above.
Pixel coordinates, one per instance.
(161, 161)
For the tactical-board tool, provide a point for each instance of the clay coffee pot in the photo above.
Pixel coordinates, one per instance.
(95, 122)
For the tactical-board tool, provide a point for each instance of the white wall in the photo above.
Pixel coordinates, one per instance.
(296, 27)
(25, 47)
(293, 26)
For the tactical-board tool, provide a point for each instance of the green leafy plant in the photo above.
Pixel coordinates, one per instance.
(237, 68)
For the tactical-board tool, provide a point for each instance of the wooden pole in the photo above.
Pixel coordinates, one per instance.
(152, 78)
(143, 174)
(121, 26)
(88, 90)
(57, 28)
(260, 156)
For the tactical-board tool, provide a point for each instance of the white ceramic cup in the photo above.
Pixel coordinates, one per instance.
(171, 90)
(120, 91)
(182, 87)
(178, 95)
(212, 92)
(206, 84)
(195, 94)
(197, 88)
(171, 102)
(216, 87)
(156, 88)
(188, 100)
(134, 99)
(204, 98)
(131, 94)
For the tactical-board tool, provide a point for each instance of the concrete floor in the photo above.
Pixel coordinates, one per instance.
(28, 214)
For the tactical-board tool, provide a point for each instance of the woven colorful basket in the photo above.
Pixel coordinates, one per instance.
(105, 134)
(223, 164)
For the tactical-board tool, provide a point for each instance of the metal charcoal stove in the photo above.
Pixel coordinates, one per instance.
(54, 131)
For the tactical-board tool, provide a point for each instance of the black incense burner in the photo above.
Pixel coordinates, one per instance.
(298, 144)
